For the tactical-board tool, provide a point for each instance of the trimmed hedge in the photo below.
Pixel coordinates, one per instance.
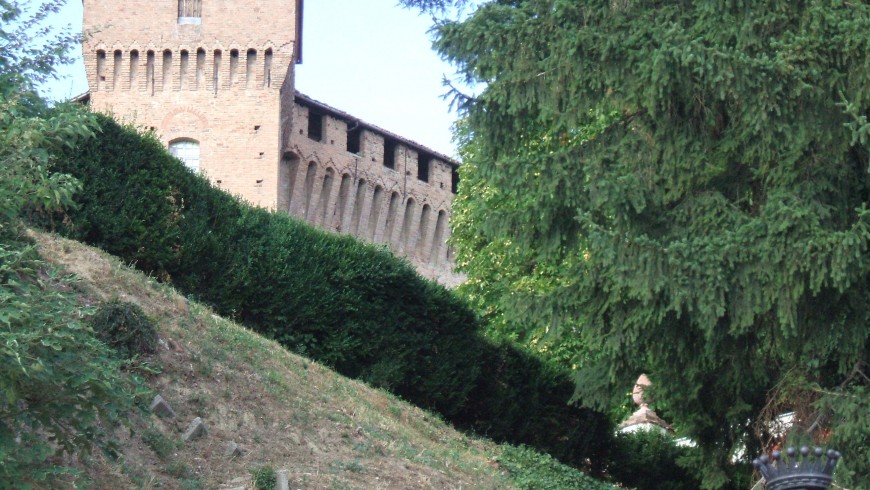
(352, 306)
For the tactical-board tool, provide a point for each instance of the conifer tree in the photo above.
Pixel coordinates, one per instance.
(685, 185)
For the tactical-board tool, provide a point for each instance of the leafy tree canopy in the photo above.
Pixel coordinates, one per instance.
(61, 389)
(685, 185)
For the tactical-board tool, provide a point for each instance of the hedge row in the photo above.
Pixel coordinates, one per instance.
(352, 306)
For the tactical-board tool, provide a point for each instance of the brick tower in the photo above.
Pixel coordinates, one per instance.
(212, 78)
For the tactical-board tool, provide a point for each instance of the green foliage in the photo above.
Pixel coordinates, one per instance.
(62, 390)
(350, 305)
(647, 460)
(126, 328)
(30, 50)
(849, 408)
(682, 187)
(162, 445)
(530, 470)
(264, 478)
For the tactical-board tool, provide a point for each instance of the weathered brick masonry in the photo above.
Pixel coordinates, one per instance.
(221, 96)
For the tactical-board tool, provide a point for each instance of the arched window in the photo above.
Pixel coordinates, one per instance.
(187, 151)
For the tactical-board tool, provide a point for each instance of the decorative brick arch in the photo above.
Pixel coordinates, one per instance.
(182, 121)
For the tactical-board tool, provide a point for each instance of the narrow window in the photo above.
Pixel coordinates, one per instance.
(134, 69)
(200, 69)
(392, 214)
(325, 194)
(234, 66)
(315, 125)
(358, 204)
(189, 11)
(454, 180)
(292, 162)
(343, 192)
(216, 74)
(354, 131)
(389, 153)
(408, 222)
(249, 70)
(182, 69)
(423, 231)
(167, 70)
(423, 161)
(309, 187)
(101, 70)
(116, 75)
(377, 203)
(187, 151)
(149, 71)
(438, 239)
(267, 68)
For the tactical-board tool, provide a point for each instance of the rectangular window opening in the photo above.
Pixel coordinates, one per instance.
(354, 137)
(389, 153)
(315, 125)
(190, 11)
(423, 161)
(454, 180)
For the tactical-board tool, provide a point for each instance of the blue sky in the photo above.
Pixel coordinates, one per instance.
(369, 58)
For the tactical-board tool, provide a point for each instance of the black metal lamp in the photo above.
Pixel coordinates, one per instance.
(809, 472)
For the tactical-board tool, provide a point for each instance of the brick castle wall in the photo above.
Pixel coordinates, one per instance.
(202, 79)
(205, 76)
(343, 179)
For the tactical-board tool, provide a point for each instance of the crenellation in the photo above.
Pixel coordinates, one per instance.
(222, 98)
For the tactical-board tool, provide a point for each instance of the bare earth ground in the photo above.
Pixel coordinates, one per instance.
(285, 411)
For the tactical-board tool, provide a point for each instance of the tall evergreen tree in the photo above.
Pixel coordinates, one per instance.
(686, 185)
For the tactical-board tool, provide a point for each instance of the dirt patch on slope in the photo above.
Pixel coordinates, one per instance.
(284, 411)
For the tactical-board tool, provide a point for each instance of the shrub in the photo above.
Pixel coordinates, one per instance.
(264, 478)
(61, 390)
(126, 328)
(530, 470)
(647, 460)
(160, 443)
(352, 306)
(59, 383)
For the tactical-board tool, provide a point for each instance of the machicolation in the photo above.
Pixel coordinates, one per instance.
(222, 99)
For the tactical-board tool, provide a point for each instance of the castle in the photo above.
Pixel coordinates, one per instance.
(222, 99)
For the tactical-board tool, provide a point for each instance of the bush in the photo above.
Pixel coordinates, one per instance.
(647, 460)
(530, 470)
(126, 328)
(63, 390)
(352, 306)
(264, 478)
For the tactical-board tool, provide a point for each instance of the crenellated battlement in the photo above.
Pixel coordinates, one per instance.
(214, 80)
(151, 69)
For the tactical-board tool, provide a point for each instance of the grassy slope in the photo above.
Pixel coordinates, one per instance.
(285, 411)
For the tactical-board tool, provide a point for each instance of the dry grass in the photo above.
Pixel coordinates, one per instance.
(285, 411)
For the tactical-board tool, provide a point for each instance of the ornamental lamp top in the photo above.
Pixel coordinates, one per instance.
(640, 386)
(810, 471)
